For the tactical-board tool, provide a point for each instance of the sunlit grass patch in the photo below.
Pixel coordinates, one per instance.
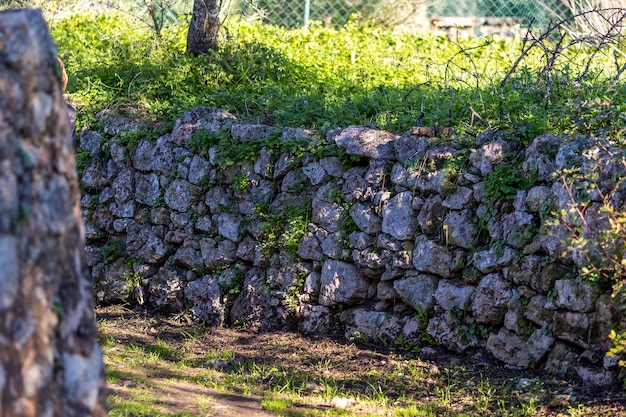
(323, 78)
(139, 405)
(414, 411)
(276, 404)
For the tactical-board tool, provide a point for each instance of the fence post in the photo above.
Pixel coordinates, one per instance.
(307, 9)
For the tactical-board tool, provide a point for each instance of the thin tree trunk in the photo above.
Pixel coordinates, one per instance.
(203, 33)
(50, 363)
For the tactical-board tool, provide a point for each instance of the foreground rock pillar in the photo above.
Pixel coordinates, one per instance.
(50, 363)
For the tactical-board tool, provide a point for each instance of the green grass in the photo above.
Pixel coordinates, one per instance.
(284, 389)
(139, 405)
(323, 78)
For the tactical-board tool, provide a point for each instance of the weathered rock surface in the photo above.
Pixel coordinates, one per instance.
(368, 326)
(50, 362)
(514, 350)
(365, 142)
(206, 300)
(417, 291)
(341, 283)
(491, 299)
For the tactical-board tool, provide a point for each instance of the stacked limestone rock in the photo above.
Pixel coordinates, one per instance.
(409, 241)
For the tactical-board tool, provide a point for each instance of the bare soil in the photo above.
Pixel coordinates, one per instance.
(357, 369)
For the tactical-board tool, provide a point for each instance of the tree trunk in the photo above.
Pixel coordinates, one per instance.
(50, 363)
(203, 33)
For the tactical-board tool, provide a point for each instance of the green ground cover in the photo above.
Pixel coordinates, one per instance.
(323, 78)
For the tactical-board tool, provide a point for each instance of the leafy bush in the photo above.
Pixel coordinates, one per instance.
(504, 183)
(596, 219)
(284, 226)
(113, 250)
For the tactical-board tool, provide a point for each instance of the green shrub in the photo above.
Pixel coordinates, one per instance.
(284, 226)
(82, 159)
(113, 250)
(602, 249)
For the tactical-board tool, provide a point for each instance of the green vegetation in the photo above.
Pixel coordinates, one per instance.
(230, 151)
(132, 279)
(504, 182)
(283, 226)
(602, 249)
(82, 160)
(131, 138)
(113, 250)
(322, 78)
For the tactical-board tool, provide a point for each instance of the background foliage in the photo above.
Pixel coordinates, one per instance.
(324, 77)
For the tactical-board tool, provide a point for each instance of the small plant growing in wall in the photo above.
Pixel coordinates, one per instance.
(619, 346)
(421, 316)
(504, 182)
(468, 326)
(335, 194)
(285, 226)
(295, 229)
(452, 168)
(82, 160)
(231, 278)
(201, 141)
(132, 280)
(113, 250)
(241, 182)
(192, 215)
(346, 227)
(525, 326)
(294, 291)
(400, 344)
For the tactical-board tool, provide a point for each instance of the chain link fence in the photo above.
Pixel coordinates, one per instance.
(418, 15)
(454, 17)
(540, 11)
(299, 13)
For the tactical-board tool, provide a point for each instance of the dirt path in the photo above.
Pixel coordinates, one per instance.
(185, 397)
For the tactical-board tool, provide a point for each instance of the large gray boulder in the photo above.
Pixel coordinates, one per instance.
(205, 298)
(341, 283)
(398, 216)
(491, 299)
(432, 258)
(365, 141)
(514, 350)
(417, 291)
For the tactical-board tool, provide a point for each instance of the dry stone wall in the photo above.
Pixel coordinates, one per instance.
(404, 238)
